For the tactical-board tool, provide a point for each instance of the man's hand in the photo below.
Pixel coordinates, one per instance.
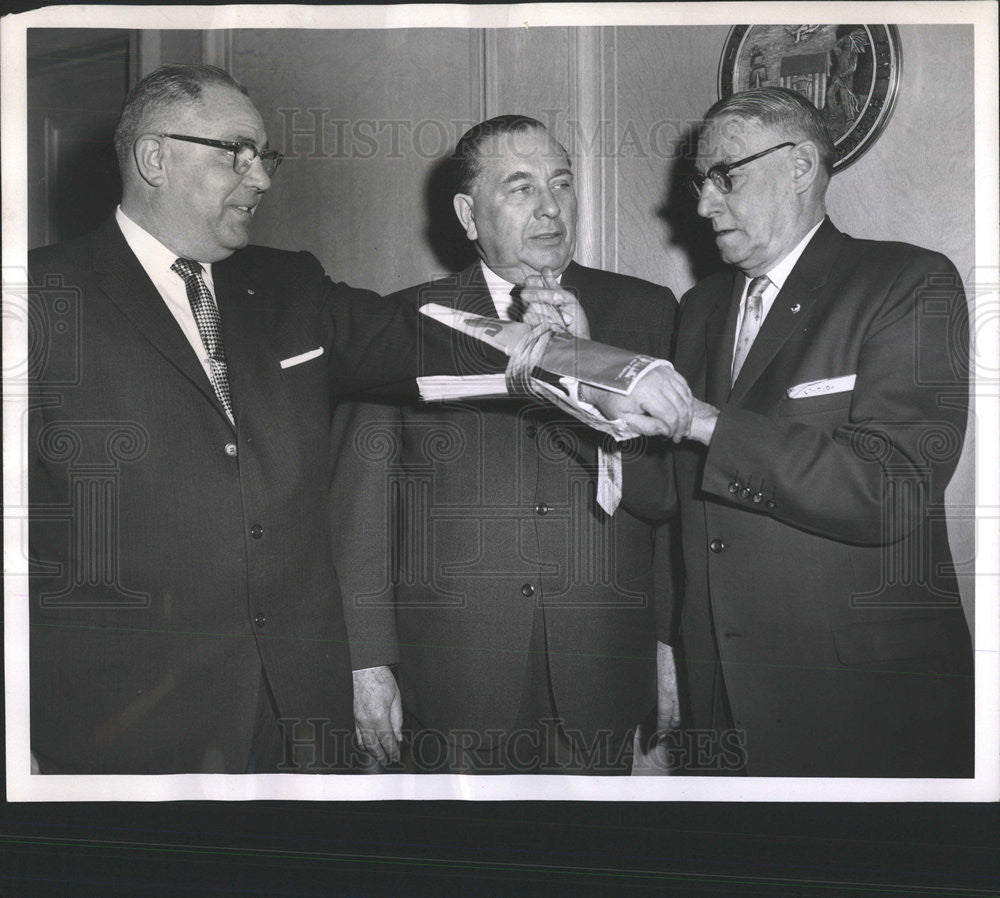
(659, 405)
(703, 422)
(668, 707)
(378, 713)
(668, 717)
(546, 302)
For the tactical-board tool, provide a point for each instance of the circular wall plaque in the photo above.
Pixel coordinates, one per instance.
(850, 73)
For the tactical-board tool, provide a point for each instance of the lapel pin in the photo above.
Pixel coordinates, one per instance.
(795, 309)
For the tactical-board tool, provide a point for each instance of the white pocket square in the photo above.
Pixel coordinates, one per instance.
(302, 357)
(823, 387)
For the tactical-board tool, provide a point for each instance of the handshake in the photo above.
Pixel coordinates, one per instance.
(660, 403)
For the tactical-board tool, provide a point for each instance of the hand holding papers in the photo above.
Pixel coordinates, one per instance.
(548, 302)
(637, 394)
(660, 403)
(663, 396)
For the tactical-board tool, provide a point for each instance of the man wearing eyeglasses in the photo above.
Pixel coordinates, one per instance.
(822, 628)
(185, 616)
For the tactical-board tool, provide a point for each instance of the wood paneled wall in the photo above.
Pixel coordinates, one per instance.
(624, 100)
(365, 118)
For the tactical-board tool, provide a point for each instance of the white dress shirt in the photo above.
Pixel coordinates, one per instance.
(500, 290)
(156, 259)
(777, 276)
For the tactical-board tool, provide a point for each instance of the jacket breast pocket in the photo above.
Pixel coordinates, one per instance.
(305, 383)
(815, 405)
(305, 370)
(311, 356)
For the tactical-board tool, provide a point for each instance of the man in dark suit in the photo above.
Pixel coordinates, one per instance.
(185, 614)
(822, 629)
(522, 617)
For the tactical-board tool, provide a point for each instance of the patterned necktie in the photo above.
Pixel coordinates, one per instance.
(206, 316)
(753, 315)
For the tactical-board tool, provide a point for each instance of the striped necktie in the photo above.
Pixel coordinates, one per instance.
(753, 315)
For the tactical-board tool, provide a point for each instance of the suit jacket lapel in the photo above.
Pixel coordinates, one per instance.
(123, 279)
(243, 346)
(799, 298)
(473, 294)
(251, 314)
(575, 280)
(720, 335)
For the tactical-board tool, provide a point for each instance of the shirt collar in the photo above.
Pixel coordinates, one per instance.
(153, 255)
(497, 283)
(779, 274)
(500, 290)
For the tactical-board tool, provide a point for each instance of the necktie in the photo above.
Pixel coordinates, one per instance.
(516, 310)
(206, 316)
(753, 315)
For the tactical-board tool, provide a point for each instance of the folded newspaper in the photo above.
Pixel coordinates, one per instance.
(569, 358)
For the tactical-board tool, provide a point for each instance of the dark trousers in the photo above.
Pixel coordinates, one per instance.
(536, 743)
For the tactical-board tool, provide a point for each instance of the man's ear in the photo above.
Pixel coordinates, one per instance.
(149, 159)
(464, 207)
(807, 165)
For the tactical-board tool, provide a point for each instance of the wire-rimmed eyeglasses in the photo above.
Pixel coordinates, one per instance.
(243, 152)
(719, 174)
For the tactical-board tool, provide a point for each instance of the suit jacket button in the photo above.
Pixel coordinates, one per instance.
(734, 487)
(717, 546)
(256, 531)
(771, 504)
(260, 620)
(527, 590)
(758, 496)
(542, 509)
(231, 450)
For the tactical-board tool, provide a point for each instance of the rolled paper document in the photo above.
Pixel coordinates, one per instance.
(596, 364)
(570, 359)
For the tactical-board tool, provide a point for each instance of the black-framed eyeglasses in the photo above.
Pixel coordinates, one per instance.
(243, 152)
(719, 174)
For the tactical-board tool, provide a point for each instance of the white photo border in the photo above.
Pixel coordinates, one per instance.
(22, 786)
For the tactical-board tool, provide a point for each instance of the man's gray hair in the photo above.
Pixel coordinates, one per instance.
(783, 110)
(168, 86)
